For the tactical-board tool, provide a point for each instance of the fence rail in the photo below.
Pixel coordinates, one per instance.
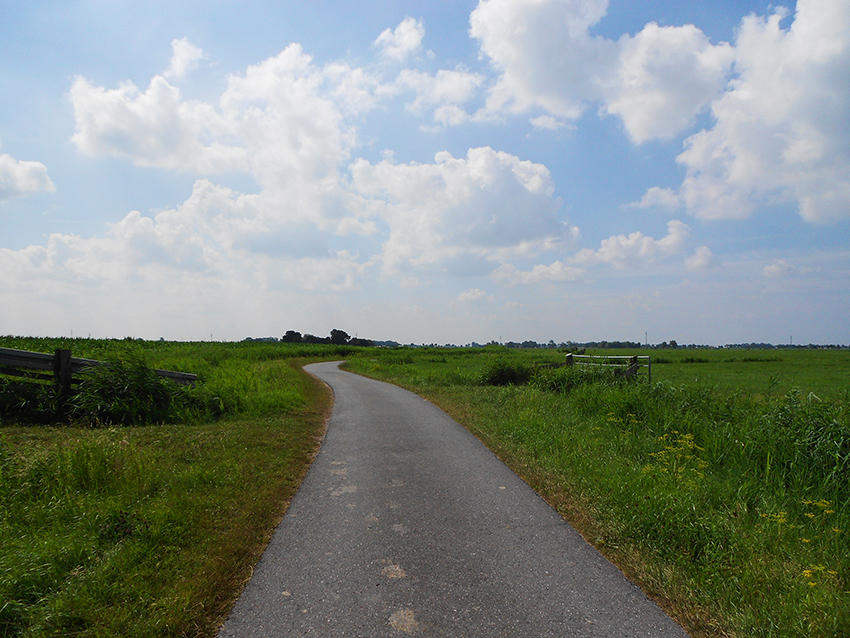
(61, 367)
(627, 366)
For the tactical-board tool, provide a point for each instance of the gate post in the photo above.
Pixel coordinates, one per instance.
(62, 370)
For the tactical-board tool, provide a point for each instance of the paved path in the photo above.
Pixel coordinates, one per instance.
(407, 525)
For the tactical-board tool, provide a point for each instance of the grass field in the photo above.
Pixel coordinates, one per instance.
(152, 530)
(722, 487)
(758, 372)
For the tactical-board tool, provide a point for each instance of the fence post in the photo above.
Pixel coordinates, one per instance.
(62, 370)
(570, 359)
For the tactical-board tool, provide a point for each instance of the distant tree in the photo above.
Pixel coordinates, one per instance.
(355, 341)
(339, 337)
(291, 337)
(308, 338)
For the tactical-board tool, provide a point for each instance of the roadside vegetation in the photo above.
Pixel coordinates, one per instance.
(719, 487)
(149, 530)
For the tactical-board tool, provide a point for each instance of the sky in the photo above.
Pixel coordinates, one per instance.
(426, 172)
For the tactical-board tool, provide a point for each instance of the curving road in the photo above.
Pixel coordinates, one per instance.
(407, 525)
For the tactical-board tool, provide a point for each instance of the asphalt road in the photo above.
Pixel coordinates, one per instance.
(407, 525)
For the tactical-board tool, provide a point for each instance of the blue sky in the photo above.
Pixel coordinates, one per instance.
(427, 172)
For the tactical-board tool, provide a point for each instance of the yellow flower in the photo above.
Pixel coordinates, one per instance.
(806, 540)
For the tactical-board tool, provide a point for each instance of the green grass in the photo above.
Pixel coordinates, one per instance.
(152, 530)
(729, 505)
(758, 372)
(722, 487)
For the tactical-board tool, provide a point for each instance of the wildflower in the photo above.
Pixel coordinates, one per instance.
(806, 540)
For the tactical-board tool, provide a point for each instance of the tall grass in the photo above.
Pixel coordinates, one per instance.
(151, 530)
(243, 378)
(731, 508)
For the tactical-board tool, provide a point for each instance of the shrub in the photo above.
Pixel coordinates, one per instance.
(27, 402)
(564, 379)
(501, 372)
(125, 391)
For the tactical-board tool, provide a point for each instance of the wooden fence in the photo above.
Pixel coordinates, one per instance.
(625, 365)
(61, 367)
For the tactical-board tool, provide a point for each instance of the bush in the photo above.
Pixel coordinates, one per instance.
(125, 391)
(564, 379)
(28, 402)
(501, 372)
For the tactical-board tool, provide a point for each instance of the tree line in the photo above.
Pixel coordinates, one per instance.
(337, 337)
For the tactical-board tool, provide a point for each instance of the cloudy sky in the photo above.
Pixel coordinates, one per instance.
(444, 171)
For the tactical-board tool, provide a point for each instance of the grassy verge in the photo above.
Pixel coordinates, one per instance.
(153, 530)
(729, 508)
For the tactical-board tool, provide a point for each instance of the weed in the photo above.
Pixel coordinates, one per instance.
(125, 391)
(151, 531)
(500, 372)
(678, 459)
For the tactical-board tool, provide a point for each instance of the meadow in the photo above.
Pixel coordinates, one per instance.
(150, 528)
(721, 487)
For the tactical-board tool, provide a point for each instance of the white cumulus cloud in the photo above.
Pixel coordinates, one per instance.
(546, 58)
(185, 58)
(399, 43)
(152, 128)
(283, 122)
(781, 132)
(659, 197)
(543, 53)
(702, 259)
(557, 271)
(216, 234)
(474, 295)
(287, 123)
(443, 92)
(462, 214)
(22, 178)
(636, 249)
(546, 123)
(664, 78)
(779, 269)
